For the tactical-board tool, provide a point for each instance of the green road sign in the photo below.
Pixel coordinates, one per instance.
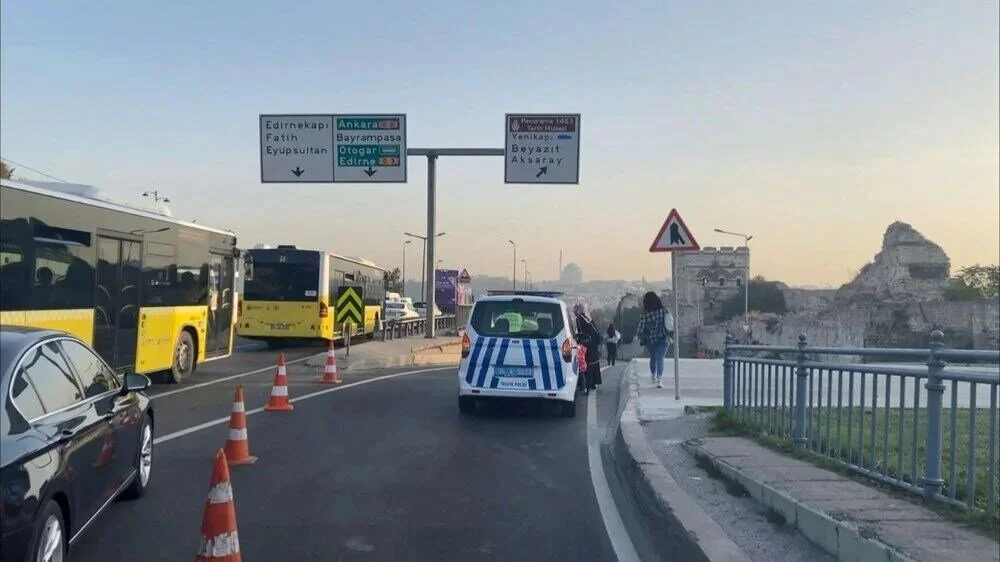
(349, 306)
(369, 148)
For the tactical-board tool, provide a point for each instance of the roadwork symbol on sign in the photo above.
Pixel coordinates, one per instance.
(674, 236)
(542, 148)
(350, 307)
(369, 148)
(296, 148)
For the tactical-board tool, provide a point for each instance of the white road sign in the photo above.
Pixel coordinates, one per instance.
(542, 148)
(369, 148)
(296, 148)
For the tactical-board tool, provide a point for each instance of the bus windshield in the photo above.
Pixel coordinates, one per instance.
(283, 275)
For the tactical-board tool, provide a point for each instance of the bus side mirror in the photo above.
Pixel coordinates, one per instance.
(247, 267)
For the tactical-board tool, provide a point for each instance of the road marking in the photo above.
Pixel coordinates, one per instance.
(220, 421)
(620, 539)
(224, 379)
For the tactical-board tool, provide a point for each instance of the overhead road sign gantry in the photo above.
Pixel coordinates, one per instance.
(296, 148)
(369, 148)
(542, 148)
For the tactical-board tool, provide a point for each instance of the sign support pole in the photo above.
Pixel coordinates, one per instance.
(677, 317)
(432, 155)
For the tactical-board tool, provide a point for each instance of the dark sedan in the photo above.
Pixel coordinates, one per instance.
(74, 435)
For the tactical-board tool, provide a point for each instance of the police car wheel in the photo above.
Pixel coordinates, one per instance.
(466, 404)
(569, 409)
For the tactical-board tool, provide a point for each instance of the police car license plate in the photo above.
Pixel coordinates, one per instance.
(513, 384)
(513, 372)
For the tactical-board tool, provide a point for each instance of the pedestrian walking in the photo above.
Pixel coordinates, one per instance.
(611, 339)
(655, 331)
(586, 326)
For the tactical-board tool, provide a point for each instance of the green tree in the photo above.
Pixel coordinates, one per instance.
(6, 171)
(976, 282)
(763, 296)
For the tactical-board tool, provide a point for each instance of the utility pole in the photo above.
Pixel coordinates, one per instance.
(746, 282)
(402, 289)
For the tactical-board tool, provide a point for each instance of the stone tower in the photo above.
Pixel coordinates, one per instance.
(705, 279)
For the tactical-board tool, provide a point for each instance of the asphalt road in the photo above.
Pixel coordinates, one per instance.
(376, 470)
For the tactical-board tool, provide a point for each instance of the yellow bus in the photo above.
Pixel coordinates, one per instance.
(293, 292)
(150, 293)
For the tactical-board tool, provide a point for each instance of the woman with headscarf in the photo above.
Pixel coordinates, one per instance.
(586, 326)
(656, 327)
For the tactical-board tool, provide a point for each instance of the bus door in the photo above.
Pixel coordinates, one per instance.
(220, 303)
(116, 307)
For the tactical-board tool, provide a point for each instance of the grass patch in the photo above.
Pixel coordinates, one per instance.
(834, 447)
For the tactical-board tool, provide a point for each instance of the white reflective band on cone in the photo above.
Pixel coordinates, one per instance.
(237, 434)
(279, 391)
(220, 493)
(281, 370)
(220, 545)
(239, 407)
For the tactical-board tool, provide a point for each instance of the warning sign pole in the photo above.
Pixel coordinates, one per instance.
(674, 236)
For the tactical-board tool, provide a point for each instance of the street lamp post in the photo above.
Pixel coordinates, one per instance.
(402, 289)
(514, 277)
(525, 286)
(156, 196)
(746, 282)
(423, 257)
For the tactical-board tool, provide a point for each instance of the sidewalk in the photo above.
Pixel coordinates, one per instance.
(740, 500)
(400, 352)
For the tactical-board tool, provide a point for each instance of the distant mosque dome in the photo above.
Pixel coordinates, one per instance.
(571, 274)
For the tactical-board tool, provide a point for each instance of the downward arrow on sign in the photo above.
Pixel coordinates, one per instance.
(370, 171)
(298, 171)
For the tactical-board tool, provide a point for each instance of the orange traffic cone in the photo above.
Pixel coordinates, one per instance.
(330, 370)
(237, 447)
(219, 540)
(278, 401)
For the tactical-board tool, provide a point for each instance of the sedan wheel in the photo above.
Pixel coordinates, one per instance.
(50, 546)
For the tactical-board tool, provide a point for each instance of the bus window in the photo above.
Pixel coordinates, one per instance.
(295, 279)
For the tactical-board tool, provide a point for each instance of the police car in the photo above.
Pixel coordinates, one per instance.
(519, 344)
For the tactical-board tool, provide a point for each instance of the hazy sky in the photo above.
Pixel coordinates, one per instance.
(810, 125)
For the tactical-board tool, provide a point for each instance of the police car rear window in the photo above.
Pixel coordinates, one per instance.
(521, 319)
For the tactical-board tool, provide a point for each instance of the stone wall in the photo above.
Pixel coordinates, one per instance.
(967, 325)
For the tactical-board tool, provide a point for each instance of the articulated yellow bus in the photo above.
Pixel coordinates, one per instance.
(150, 293)
(292, 295)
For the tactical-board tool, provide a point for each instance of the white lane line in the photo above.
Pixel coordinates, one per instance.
(224, 379)
(220, 421)
(620, 539)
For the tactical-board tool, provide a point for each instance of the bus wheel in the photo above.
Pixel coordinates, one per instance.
(184, 358)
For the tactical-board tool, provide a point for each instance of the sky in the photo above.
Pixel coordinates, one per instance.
(810, 125)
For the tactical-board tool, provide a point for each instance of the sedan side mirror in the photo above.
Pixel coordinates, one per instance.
(135, 383)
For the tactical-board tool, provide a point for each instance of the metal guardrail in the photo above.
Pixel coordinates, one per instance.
(870, 426)
(393, 329)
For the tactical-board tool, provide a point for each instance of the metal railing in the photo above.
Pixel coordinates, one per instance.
(393, 329)
(859, 414)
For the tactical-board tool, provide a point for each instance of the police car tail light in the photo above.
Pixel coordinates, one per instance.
(466, 344)
(324, 311)
(567, 351)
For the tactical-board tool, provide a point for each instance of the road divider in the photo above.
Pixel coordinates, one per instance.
(220, 421)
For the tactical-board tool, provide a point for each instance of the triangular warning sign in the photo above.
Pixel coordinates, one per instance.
(464, 277)
(674, 236)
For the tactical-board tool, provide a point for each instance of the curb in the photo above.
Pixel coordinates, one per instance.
(678, 524)
(840, 539)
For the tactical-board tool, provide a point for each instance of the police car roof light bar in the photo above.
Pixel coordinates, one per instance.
(502, 292)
